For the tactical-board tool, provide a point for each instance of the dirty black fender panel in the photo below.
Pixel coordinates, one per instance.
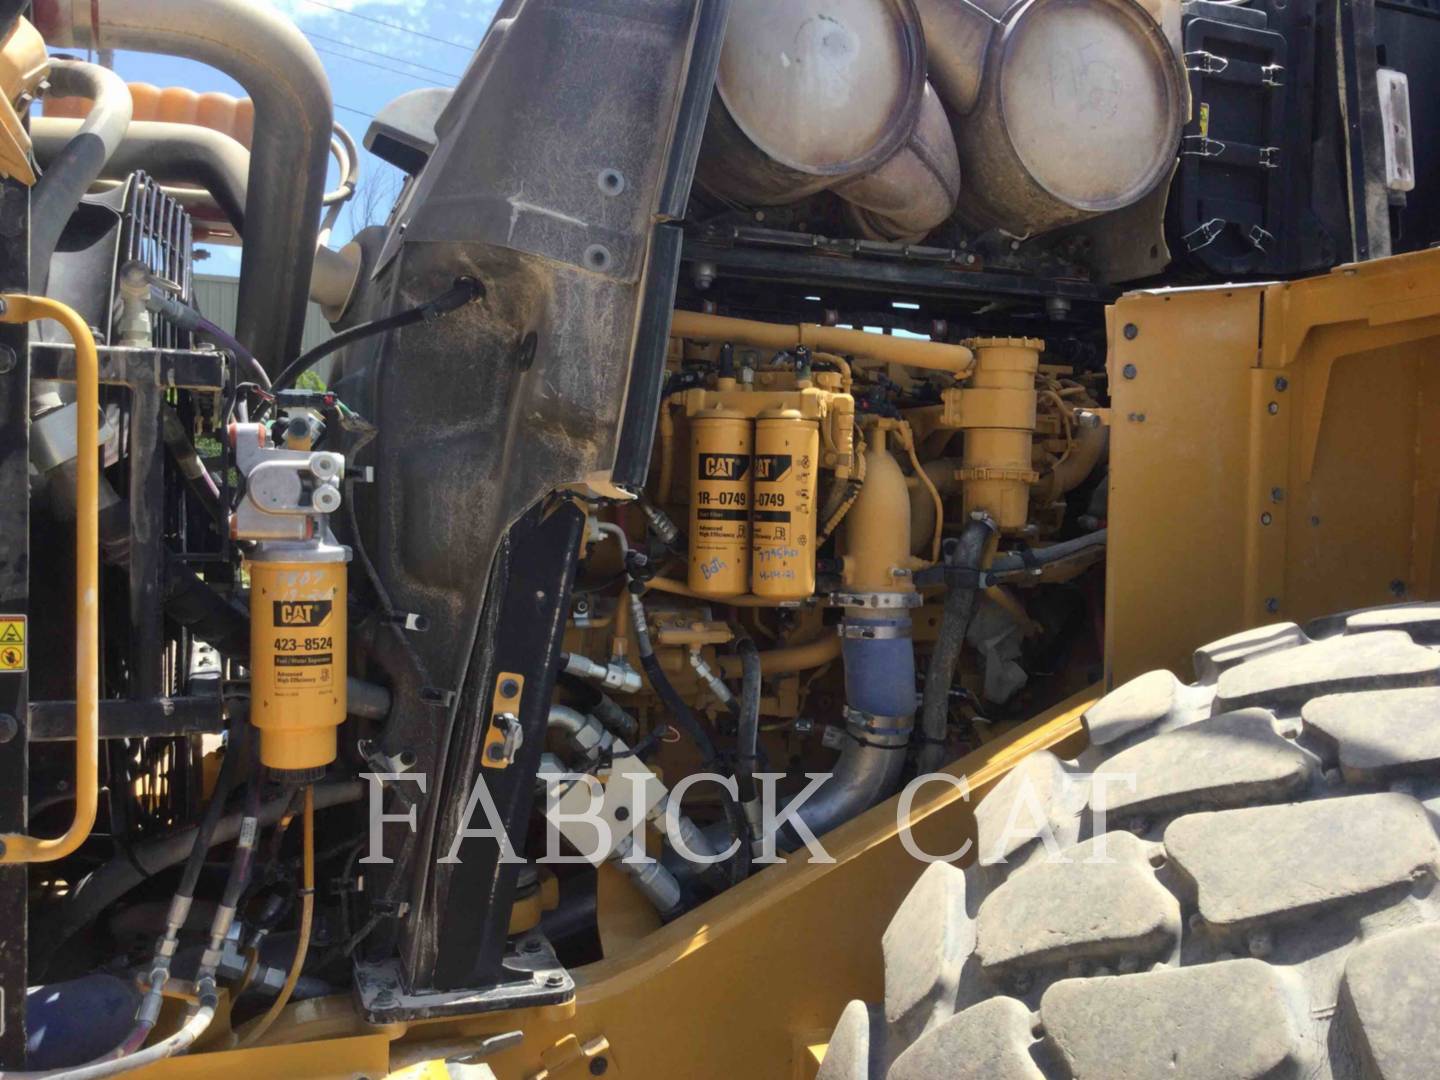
(565, 150)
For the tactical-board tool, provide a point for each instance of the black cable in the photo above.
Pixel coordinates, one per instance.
(465, 290)
(749, 733)
(959, 609)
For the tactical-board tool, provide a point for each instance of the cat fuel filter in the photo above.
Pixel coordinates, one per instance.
(720, 448)
(782, 544)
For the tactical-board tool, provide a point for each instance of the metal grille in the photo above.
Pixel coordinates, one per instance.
(156, 231)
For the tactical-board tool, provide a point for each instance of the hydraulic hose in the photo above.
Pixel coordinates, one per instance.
(75, 168)
(149, 1011)
(749, 735)
(114, 879)
(307, 914)
(465, 290)
(959, 609)
(740, 864)
(14, 847)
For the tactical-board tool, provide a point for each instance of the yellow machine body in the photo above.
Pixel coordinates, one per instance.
(297, 657)
(787, 477)
(721, 444)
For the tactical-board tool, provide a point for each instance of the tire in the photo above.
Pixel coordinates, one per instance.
(1261, 903)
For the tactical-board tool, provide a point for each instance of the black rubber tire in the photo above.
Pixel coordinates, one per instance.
(1266, 903)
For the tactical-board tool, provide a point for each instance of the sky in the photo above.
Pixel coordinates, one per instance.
(373, 51)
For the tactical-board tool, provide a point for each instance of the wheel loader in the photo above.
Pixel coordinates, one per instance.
(830, 538)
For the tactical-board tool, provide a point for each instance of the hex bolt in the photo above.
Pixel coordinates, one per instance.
(1282, 384)
(509, 687)
(1265, 518)
(1273, 407)
(495, 751)
(555, 978)
(1131, 331)
(1128, 371)
(1277, 494)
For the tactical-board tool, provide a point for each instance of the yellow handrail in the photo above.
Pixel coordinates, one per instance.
(19, 848)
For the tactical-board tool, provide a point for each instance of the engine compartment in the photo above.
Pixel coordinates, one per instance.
(689, 503)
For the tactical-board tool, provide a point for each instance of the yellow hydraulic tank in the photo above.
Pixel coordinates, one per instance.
(297, 652)
(720, 448)
(782, 529)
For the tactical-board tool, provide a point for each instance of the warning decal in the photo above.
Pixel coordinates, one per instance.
(12, 642)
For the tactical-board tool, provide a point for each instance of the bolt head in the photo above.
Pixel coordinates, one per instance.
(1131, 331)
(1129, 371)
(1273, 407)
(1272, 605)
(1282, 384)
(9, 727)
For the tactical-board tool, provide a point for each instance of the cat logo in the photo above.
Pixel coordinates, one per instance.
(723, 466)
(301, 612)
(771, 467)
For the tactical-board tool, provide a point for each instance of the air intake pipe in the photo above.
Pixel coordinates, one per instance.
(272, 60)
(876, 648)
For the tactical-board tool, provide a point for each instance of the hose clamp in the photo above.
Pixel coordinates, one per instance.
(883, 732)
(876, 600)
(875, 632)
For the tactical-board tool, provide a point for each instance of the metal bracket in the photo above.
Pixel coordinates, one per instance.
(1270, 74)
(1260, 237)
(1201, 146)
(504, 736)
(536, 977)
(1206, 62)
(1204, 234)
(1270, 157)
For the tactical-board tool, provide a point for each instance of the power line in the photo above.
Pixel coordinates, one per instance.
(384, 55)
(381, 67)
(358, 112)
(393, 26)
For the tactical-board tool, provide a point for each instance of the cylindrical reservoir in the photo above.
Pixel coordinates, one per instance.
(810, 93)
(782, 529)
(998, 418)
(297, 652)
(720, 449)
(1079, 113)
(915, 191)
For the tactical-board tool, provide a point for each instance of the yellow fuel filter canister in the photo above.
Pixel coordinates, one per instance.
(782, 546)
(297, 653)
(720, 447)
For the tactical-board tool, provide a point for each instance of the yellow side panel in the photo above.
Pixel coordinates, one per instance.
(1275, 456)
